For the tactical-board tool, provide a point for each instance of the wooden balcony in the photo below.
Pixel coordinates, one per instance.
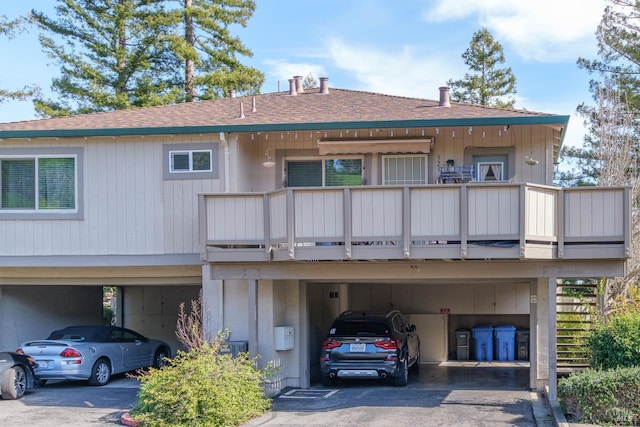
(468, 221)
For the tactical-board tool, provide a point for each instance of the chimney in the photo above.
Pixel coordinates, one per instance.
(232, 93)
(299, 87)
(292, 87)
(444, 97)
(324, 85)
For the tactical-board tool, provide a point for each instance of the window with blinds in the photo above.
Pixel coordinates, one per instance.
(404, 170)
(38, 183)
(334, 172)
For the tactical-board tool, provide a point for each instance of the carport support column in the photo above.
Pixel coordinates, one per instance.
(546, 347)
(212, 303)
(253, 317)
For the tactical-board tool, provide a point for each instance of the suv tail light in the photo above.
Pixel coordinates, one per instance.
(330, 344)
(392, 344)
(70, 352)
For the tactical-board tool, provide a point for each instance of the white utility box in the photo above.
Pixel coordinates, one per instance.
(285, 338)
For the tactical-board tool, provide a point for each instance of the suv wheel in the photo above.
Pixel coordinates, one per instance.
(327, 381)
(403, 379)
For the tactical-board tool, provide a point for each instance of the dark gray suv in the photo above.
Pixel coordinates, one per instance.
(364, 345)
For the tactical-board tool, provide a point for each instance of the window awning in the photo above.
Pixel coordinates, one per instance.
(351, 146)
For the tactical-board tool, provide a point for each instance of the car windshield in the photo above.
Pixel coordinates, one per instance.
(355, 327)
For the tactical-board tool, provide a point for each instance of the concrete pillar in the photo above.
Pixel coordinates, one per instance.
(303, 337)
(542, 334)
(533, 334)
(212, 304)
(252, 311)
(553, 339)
(546, 339)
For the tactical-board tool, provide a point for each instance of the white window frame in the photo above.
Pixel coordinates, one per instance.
(320, 159)
(37, 209)
(481, 165)
(190, 154)
(385, 178)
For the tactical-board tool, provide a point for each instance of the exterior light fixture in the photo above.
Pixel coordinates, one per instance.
(268, 162)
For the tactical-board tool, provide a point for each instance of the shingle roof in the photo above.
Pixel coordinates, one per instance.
(279, 110)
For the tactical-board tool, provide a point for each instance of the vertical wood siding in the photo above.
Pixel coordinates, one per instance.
(128, 208)
(594, 213)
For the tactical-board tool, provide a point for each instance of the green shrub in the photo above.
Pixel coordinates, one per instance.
(202, 388)
(617, 342)
(602, 397)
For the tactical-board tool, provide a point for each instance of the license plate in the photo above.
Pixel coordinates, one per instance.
(43, 364)
(355, 348)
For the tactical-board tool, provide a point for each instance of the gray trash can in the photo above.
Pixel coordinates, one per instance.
(463, 338)
(522, 344)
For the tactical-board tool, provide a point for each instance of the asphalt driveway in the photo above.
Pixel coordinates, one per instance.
(490, 394)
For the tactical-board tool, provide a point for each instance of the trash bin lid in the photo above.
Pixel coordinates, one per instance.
(505, 328)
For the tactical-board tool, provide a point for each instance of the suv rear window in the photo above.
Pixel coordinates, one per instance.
(354, 327)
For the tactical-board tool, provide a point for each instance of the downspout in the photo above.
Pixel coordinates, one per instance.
(225, 149)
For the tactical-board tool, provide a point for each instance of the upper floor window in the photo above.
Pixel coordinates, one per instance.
(190, 161)
(334, 172)
(39, 183)
(490, 171)
(404, 170)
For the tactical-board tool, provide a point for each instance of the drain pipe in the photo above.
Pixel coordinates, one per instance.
(225, 149)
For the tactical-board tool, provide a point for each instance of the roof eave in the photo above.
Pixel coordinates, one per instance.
(275, 127)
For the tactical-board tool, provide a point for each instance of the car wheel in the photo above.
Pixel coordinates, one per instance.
(14, 383)
(403, 378)
(416, 365)
(159, 359)
(327, 381)
(100, 373)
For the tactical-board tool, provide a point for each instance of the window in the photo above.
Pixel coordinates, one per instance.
(335, 172)
(490, 171)
(404, 170)
(190, 161)
(42, 183)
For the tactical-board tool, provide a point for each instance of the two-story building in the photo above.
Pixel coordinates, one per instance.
(288, 208)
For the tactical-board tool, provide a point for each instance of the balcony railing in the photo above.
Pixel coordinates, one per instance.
(468, 221)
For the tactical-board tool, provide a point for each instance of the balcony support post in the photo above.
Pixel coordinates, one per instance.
(523, 220)
(464, 220)
(291, 226)
(406, 222)
(560, 222)
(348, 213)
(267, 227)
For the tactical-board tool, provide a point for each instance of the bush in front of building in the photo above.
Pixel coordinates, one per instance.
(202, 387)
(603, 397)
(616, 343)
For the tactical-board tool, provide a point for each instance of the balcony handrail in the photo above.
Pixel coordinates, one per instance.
(418, 220)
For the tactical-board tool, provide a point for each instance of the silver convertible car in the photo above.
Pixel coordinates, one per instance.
(94, 353)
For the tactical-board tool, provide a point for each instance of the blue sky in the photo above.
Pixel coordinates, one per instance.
(402, 47)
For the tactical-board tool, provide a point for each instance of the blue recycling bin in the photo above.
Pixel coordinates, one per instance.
(483, 342)
(505, 342)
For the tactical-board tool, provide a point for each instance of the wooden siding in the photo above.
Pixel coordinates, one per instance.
(128, 208)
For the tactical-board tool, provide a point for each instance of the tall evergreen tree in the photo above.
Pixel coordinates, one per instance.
(202, 41)
(487, 84)
(610, 154)
(110, 56)
(118, 54)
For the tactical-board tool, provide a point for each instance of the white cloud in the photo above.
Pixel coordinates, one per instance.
(545, 30)
(282, 71)
(401, 72)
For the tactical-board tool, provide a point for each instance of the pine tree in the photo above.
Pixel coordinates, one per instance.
(202, 41)
(110, 57)
(487, 84)
(118, 54)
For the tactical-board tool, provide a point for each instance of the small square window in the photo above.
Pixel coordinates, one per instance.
(190, 161)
